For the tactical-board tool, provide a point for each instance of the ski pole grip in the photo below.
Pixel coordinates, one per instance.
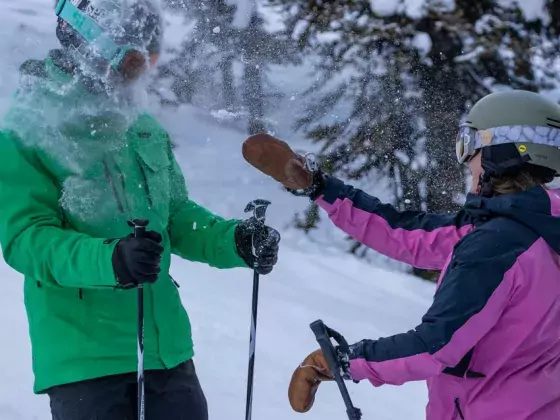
(140, 226)
(320, 330)
(258, 207)
(322, 336)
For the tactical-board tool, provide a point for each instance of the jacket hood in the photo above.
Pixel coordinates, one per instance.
(537, 208)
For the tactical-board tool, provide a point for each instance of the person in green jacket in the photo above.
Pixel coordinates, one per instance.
(80, 160)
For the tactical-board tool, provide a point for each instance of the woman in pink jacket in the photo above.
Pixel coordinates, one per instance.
(489, 346)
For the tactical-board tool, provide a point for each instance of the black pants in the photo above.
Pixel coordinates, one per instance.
(173, 394)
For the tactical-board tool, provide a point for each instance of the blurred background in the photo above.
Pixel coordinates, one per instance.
(376, 88)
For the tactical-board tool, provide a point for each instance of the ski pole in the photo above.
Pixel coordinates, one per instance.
(323, 334)
(258, 207)
(140, 232)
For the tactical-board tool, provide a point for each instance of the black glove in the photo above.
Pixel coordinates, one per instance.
(343, 356)
(251, 233)
(137, 260)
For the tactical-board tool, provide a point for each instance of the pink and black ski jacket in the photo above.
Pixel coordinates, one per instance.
(489, 346)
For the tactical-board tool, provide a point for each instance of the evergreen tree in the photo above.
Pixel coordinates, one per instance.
(202, 71)
(408, 77)
(259, 49)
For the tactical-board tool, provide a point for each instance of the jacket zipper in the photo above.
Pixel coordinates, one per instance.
(458, 407)
(113, 186)
(121, 176)
(177, 285)
(145, 180)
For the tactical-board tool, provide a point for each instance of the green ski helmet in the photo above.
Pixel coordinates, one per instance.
(512, 129)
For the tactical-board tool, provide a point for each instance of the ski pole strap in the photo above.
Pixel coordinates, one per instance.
(323, 335)
(342, 343)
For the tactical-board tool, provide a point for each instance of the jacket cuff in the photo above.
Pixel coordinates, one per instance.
(107, 276)
(232, 255)
(332, 189)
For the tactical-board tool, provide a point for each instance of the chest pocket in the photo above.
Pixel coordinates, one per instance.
(154, 165)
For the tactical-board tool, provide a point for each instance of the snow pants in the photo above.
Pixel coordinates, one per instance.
(173, 394)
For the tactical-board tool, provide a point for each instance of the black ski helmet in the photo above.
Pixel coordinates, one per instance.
(122, 33)
(512, 129)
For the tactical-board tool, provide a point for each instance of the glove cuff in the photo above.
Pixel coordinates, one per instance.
(314, 190)
(244, 244)
(344, 362)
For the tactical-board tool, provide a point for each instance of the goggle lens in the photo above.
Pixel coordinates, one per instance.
(465, 144)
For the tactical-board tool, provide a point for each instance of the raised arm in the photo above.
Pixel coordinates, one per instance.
(420, 239)
(196, 233)
(423, 240)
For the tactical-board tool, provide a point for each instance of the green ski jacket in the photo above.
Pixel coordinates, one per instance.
(69, 182)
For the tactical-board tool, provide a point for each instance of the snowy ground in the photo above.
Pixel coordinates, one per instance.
(311, 280)
(359, 300)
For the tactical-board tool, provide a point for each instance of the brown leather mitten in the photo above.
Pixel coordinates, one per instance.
(306, 380)
(276, 159)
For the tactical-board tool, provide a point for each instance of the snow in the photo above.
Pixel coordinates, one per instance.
(470, 55)
(224, 114)
(422, 42)
(413, 8)
(243, 12)
(532, 9)
(312, 280)
(384, 7)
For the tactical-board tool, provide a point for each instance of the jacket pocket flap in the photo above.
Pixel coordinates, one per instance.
(154, 156)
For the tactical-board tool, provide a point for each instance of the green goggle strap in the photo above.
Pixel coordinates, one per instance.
(92, 32)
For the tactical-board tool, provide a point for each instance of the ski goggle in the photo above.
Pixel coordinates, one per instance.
(125, 58)
(469, 140)
(465, 148)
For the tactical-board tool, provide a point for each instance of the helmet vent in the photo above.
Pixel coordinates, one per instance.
(553, 123)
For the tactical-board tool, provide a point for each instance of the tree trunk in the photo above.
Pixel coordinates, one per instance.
(254, 102)
(228, 82)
